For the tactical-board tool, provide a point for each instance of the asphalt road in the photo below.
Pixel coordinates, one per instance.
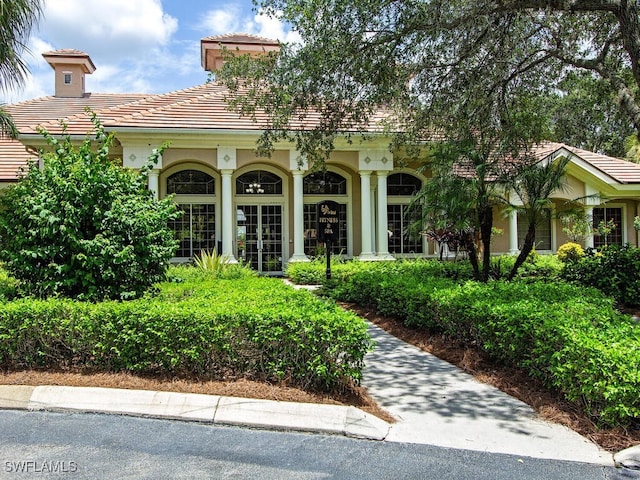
(70, 446)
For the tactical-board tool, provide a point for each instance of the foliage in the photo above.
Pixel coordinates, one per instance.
(585, 114)
(570, 252)
(17, 18)
(210, 328)
(576, 225)
(511, 52)
(569, 337)
(82, 226)
(605, 228)
(534, 184)
(636, 223)
(615, 270)
(211, 261)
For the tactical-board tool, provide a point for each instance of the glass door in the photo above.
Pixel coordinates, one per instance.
(259, 237)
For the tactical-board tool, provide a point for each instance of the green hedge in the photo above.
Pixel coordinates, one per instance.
(252, 327)
(614, 269)
(572, 338)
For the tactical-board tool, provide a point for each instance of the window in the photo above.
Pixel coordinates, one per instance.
(195, 230)
(67, 78)
(318, 186)
(404, 236)
(403, 184)
(543, 231)
(191, 182)
(325, 183)
(259, 182)
(611, 216)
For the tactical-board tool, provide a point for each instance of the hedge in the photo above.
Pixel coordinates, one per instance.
(253, 327)
(570, 337)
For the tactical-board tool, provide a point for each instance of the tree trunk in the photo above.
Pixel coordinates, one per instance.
(529, 241)
(486, 223)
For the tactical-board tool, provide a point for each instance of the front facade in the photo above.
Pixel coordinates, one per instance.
(262, 211)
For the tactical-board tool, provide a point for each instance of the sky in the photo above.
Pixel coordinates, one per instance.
(137, 46)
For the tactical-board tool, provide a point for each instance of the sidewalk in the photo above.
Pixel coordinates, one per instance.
(435, 403)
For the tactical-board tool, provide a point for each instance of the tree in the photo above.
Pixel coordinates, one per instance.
(17, 18)
(534, 185)
(82, 226)
(358, 55)
(585, 115)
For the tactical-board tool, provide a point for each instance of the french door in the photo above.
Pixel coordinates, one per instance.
(259, 237)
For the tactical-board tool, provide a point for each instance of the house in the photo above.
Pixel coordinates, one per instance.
(263, 210)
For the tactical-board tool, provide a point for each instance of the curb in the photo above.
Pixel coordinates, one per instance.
(264, 414)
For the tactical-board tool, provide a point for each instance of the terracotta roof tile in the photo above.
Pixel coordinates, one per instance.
(245, 38)
(622, 171)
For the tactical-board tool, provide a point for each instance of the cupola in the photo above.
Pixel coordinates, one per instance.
(239, 43)
(70, 67)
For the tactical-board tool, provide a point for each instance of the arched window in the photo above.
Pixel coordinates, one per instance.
(403, 184)
(319, 186)
(195, 229)
(190, 182)
(259, 182)
(325, 183)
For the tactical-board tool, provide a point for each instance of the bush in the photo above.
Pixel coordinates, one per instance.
(84, 227)
(614, 270)
(570, 252)
(569, 337)
(196, 326)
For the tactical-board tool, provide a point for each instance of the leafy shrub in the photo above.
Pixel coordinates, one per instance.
(614, 270)
(570, 337)
(84, 227)
(211, 262)
(196, 325)
(570, 252)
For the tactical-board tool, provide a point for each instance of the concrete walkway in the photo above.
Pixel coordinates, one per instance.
(436, 403)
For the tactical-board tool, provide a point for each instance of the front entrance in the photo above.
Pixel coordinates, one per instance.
(259, 237)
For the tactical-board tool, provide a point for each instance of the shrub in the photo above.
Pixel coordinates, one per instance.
(614, 270)
(84, 227)
(570, 252)
(195, 326)
(568, 336)
(210, 261)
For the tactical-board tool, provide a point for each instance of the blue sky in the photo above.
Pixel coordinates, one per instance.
(137, 45)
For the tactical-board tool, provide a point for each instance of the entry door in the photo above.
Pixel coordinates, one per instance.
(259, 237)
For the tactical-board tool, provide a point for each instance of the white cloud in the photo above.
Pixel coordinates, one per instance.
(232, 20)
(107, 29)
(216, 22)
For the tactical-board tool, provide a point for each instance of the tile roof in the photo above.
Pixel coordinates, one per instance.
(203, 108)
(246, 38)
(621, 171)
(48, 111)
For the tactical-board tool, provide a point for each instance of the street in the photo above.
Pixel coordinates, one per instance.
(95, 446)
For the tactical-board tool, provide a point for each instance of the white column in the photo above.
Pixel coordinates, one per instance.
(365, 218)
(588, 241)
(374, 217)
(383, 231)
(298, 218)
(227, 215)
(153, 182)
(513, 233)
